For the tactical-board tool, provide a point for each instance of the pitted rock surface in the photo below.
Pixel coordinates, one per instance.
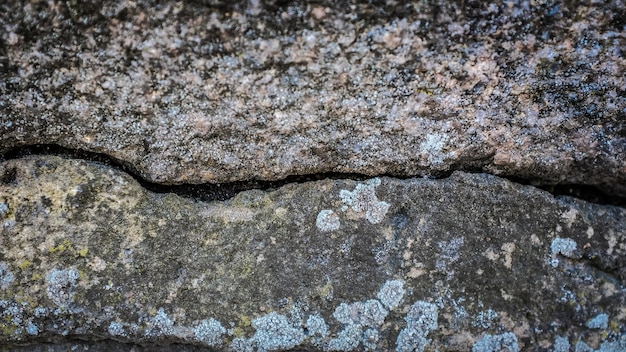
(469, 262)
(212, 91)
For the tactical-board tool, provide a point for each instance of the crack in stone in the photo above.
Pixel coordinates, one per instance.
(207, 192)
(114, 345)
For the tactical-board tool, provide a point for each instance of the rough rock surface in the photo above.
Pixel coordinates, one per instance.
(216, 91)
(469, 262)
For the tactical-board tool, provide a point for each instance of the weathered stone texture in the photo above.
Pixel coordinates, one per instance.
(202, 91)
(467, 262)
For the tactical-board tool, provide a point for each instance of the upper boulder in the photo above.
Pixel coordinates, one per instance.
(204, 91)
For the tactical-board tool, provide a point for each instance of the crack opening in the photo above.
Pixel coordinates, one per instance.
(223, 191)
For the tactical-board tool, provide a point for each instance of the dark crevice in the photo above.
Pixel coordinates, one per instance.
(78, 343)
(73, 343)
(588, 193)
(225, 191)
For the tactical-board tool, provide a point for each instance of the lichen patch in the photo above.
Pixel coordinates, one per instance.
(363, 199)
(327, 221)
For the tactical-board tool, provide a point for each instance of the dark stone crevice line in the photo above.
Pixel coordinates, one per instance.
(224, 191)
(99, 345)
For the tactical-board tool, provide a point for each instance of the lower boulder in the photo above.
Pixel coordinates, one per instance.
(90, 259)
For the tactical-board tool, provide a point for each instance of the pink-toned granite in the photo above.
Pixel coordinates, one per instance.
(192, 92)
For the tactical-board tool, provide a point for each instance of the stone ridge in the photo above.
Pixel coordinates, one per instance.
(470, 262)
(191, 93)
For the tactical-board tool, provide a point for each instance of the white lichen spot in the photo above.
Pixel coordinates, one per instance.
(240, 344)
(590, 232)
(61, 285)
(316, 326)
(364, 199)
(327, 221)
(32, 329)
(370, 313)
(433, 146)
(116, 329)
(391, 294)
(563, 246)
(11, 313)
(561, 344)
(420, 321)
(485, 318)
(600, 321)
(370, 339)
(274, 331)
(209, 332)
(503, 342)
(449, 253)
(376, 212)
(316, 329)
(567, 296)
(6, 276)
(161, 324)
(348, 339)
(41, 312)
(569, 216)
(361, 320)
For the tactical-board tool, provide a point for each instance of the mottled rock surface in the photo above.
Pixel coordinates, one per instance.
(216, 91)
(469, 262)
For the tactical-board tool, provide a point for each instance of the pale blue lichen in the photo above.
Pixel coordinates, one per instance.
(582, 347)
(568, 296)
(327, 221)
(391, 293)
(348, 338)
(296, 315)
(32, 329)
(41, 312)
(600, 321)
(616, 345)
(563, 246)
(420, 320)
(316, 326)
(461, 316)
(6, 276)
(503, 342)
(410, 340)
(449, 253)
(209, 332)
(422, 316)
(484, 318)
(61, 285)
(160, 324)
(273, 331)
(364, 199)
(4, 208)
(370, 339)
(370, 313)
(11, 312)
(561, 344)
(240, 344)
(116, 329)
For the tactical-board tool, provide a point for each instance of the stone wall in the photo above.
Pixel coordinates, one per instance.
(312, 176)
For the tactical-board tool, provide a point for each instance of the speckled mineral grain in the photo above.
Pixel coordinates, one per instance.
(204, 91)
(469, 262)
